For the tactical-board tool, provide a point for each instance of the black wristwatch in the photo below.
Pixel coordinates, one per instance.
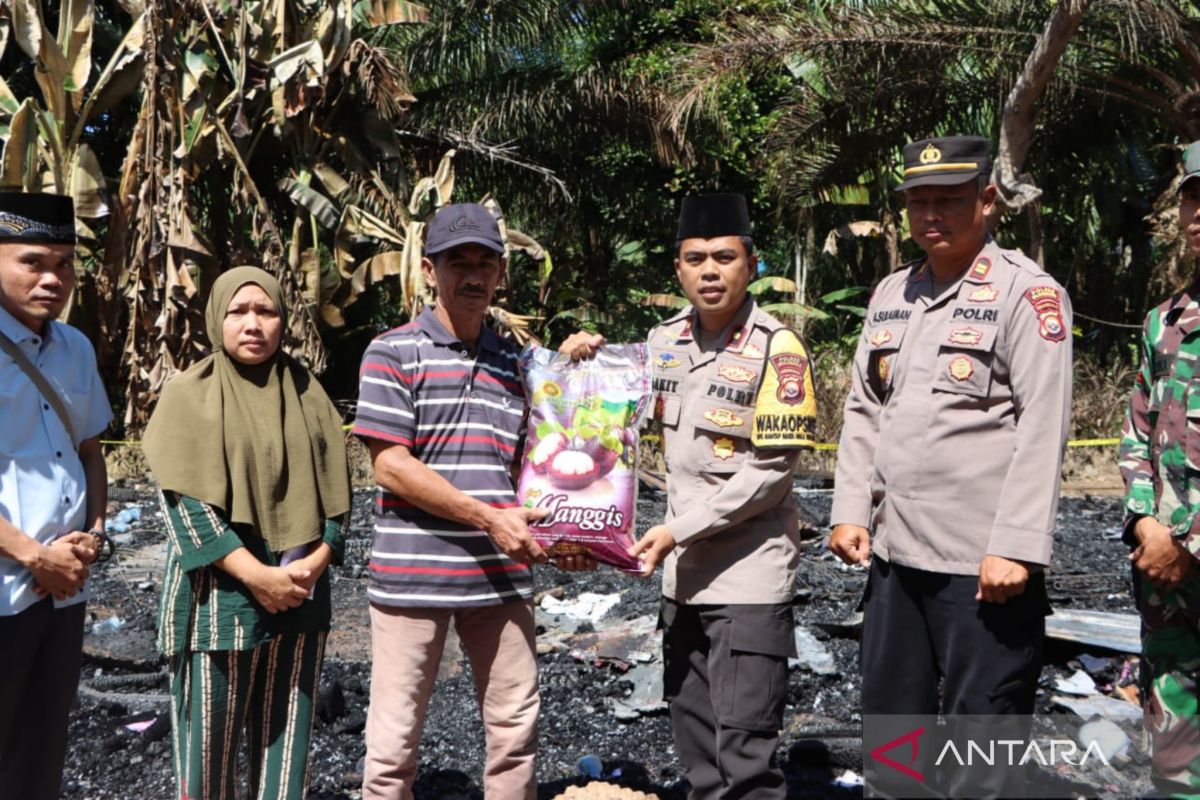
(107, 548)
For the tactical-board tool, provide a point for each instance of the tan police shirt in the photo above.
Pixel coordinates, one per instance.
(957, 416)
(729, 505)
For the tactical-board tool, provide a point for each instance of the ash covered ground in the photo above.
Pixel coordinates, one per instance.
(598, 678)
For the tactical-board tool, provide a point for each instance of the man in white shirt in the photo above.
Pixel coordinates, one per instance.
(53, 490)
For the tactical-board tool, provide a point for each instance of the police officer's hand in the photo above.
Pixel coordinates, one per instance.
(851, 543)
(509, 529)
(59, 569)
(1001, 578)
(653, 548)
(581, 345)
(1160, 556)
(575, 563)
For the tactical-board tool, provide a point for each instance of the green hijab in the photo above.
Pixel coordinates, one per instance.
(262, 443)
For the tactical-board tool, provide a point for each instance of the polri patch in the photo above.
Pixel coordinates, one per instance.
(723, 448)
(1047, 304)
(785, 411)
(961, 368)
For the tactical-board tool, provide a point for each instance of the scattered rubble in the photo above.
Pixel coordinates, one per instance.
(600, 671)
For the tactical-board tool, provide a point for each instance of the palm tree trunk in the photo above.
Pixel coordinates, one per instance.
(1017, 189)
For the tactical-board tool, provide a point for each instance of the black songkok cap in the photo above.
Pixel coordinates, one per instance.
(36, 217)
(945, 161)
(707, 216)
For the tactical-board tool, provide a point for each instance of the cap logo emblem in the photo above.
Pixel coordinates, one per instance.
(930, 155)
(463, 223)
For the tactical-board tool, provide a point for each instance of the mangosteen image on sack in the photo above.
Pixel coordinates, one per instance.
(578, 462)
(551, 445)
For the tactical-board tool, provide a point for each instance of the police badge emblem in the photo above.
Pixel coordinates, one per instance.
(723, 448)
(961, 368)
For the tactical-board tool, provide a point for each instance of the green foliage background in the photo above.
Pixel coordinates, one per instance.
(590, 120)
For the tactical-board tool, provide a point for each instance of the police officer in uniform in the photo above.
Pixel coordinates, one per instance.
(734, 393)
(951, 449)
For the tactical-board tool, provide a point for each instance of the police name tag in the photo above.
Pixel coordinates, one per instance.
(785, 411)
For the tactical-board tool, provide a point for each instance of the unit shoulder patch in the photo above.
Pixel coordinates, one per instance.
(785, 411)
(1047, 304)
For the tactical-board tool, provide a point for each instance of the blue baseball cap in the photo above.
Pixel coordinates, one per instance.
(1191, 163)
(462, 223)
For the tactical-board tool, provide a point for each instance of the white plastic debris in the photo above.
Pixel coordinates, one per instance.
(589, 605)
(1102, 706)
(811, 653)
(1080, 684)
(1108, 737)
(848, 779)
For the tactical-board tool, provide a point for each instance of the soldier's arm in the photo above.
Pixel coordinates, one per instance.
(1137, 468)
(856, 448)
(1040, 371)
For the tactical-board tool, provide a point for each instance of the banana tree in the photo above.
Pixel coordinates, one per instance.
(259, 120)
(43, 135)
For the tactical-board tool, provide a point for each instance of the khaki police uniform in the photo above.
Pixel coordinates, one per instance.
(728, 584)
(959, 409)
(951, 450)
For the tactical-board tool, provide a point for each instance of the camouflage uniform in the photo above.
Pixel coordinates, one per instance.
(1160, 462)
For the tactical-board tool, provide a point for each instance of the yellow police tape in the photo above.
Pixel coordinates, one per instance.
(654, 437)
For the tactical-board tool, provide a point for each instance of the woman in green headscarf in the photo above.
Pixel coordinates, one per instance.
(250, 459)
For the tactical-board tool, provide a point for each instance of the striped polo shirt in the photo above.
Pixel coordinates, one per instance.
(462, 416)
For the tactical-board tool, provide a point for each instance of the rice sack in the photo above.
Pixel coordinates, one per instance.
(582, 447)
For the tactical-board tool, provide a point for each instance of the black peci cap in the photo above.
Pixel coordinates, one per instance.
(36, 217)
(462, 223)
(945, 161)
(707, 216)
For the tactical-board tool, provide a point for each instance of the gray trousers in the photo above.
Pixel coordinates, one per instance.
(39, 675)
(725, 677)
